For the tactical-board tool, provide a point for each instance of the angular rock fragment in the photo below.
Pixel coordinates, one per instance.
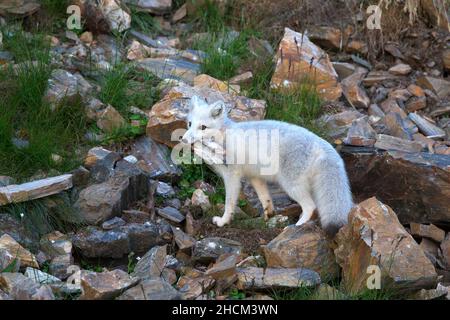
(298, 60)
(427, 231)
(361, 134)
(270, 278)
(386, 142)
(374, 236)
(151, 289)
(12, 249)
(105, 285)
(426, 127)
(303, 247)
(209, 249)
(439, 86)
(35, 189)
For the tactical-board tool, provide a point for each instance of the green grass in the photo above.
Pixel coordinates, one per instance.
(208, 17)
(124, 86)
(145, 22)
(55, 7)
(24, 114)
(43, 216)
(223, 57)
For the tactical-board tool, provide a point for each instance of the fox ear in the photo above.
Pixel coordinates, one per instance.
(194, 102)
(217, 109)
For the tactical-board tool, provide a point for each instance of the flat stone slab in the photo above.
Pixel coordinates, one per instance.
(35, 189)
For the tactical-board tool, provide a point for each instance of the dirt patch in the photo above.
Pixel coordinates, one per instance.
(251, 239)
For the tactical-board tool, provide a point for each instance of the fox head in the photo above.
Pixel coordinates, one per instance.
(203, 117)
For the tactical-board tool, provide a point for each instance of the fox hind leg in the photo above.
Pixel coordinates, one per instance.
(263, 193)
(302, 195)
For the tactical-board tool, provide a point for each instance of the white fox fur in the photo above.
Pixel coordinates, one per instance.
(310, 170)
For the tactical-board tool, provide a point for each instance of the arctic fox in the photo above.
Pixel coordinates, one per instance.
(310, 170)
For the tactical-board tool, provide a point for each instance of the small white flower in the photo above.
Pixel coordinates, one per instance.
(138, 258)
(22, 215)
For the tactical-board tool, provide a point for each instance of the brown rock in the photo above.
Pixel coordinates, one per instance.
(55, 244)
(344, 69)
(390, 175)
(13, 249)
(377, 77)
(355, 94)
(193, 287)
(446, 59)
(110, 119)
(436, 10)
(105, 285)
(183, 240)
(444, 253)
(386, 142)
(439, 86)
(87, 37)
(338, 124)
(270, 278)
(180, 13)
(374, 236)
(401, 69)
(151, 289)
(416, 90)
(244, 78)
(416, 103)
(427, 231)
(430, 248)
(152, 264)
(298, 60)
(326, 37)
(204, 80)
(35, 189)
(20, 287)
(224, 268)
(396, 126)
(170, 113)
(303, 247)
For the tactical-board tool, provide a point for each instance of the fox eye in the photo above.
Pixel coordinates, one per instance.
(189, 124)
(203, 128)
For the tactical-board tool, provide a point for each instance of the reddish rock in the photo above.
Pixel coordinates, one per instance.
(374, 236)
(427, 231)
(299, 60)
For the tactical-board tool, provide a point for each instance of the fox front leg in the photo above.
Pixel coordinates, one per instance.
(232, 189)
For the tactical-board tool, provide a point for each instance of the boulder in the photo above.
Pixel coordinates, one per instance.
(361, 134)
(390, 176)
(375, 237)
(20, 287)
(276, 278)
(209, 249)
(55, 244)
(17, 230)
(154, 159)
(206, 81)
(173, 67)
(100, 202)
(386, 142)
(303, 247)
(93, 242)
(193, 286)
(105, 285)
(299, 60)
(65, 85)
(152, 264)
(12, 249)
(110, 120)
(151, 289)
(170, 113)
(117, 18)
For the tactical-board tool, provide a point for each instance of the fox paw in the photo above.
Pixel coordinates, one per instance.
(220, 221)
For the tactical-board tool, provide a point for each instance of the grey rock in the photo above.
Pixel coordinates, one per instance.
(209, 249)
(113, 223)
(171, 68)
(17, 230)
(5, 181)
(164, 190)
(171, 214)
(20, 287)
(152, 264)
(151, 289)
(60, 266)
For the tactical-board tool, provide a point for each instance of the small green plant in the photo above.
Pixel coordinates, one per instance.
(131, 263)
(235, 294)
(85, 265)
(55, 7)
(144, 22)
(11, 267)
